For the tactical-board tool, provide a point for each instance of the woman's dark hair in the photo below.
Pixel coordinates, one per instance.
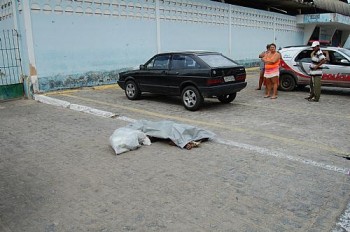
(273, 45)
(268, 46)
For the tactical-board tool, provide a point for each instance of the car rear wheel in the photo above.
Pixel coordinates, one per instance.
(132, 91)
(191, 98)
(287, 82)
(227, 98)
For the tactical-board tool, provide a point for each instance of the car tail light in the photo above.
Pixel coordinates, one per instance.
(240, 77)
(215, 81)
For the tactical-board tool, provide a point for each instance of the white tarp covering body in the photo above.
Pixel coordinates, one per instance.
(126, 139)
(135, 134)
(180, 134)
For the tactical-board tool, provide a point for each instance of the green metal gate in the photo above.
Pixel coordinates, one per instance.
(11, 81)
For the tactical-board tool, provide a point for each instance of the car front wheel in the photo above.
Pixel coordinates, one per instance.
(287, 82)
(132, 91)
(191, 98)
(227, 98)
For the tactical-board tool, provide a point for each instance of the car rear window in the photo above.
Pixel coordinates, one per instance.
(184, 62)
(217, 60)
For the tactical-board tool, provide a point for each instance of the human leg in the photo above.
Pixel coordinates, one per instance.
(317, 87)
(268, 87)
(274, 81)
(261, 79)
(312, 94)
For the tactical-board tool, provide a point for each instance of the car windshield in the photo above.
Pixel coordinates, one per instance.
(217, 60)
(345, 51)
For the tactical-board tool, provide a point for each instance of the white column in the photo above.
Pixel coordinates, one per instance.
(308, 30)
(158, 26)
(230, 31)
(15, 14)
(274, 29)
(30, 45)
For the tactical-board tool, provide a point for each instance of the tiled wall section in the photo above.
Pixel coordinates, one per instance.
(172, 10)
(6, 15)
(5, 10)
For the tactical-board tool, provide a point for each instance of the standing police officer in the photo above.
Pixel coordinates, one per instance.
(317, 59)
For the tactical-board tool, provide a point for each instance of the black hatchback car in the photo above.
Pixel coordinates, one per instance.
(192, 75)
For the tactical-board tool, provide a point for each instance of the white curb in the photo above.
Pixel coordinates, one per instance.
(51, 101)
(89, 110)
(76, 107)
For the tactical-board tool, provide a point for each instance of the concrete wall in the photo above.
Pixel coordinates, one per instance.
(84, 43)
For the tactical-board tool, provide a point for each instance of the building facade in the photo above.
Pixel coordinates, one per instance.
(57, 44)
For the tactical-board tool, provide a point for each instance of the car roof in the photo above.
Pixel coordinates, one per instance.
(300, 47)
(197, 52)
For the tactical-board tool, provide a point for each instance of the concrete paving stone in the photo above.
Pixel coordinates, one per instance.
(59, 173)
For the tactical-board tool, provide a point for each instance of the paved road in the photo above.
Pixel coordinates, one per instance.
(276, 165)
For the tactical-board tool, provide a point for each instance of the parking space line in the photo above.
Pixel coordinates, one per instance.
(286, 140)
(116, 86)
(67, 91)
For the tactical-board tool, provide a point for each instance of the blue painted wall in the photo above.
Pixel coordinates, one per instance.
(88, 49)
(86, 43)
(190, 37)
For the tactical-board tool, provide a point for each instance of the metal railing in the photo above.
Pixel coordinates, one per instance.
(10, 58)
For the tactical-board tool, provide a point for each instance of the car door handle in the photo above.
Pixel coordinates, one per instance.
(172, 73)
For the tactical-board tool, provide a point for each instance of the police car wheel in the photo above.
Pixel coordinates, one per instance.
(287, 82)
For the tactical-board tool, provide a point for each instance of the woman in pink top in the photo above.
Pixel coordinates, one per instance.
(272, 71)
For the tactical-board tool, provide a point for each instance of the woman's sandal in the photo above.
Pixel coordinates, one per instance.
(267, 96)
(274, 97)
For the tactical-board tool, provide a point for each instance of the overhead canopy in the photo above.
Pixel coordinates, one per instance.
(295, 7)
(333, 6)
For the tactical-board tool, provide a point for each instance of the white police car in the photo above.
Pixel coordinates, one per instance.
(294, 71)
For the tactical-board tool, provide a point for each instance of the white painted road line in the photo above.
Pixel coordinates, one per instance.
(123, 118)
(265, 151)
(344, 221)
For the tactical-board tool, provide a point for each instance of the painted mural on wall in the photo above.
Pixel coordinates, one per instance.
(87, 42)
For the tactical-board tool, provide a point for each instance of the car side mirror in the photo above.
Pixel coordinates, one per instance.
(142, 67)
(344, 61)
